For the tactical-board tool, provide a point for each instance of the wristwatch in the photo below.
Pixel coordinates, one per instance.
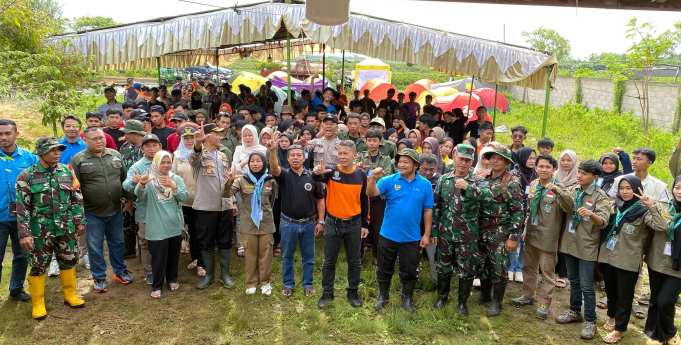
(320, 222)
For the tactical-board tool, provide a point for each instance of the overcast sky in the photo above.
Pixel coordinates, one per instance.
(588, 30)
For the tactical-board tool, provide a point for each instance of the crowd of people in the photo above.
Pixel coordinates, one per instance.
(203, 171)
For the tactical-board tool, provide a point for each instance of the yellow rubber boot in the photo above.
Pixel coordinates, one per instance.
(36, 286)
(68, 283)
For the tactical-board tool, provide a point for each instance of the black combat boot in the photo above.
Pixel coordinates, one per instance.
(443, 286)
(465, 286)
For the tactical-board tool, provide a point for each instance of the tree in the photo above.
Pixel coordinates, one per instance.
(24, 23)
(548, 40)
(89, 23)
(648, 49)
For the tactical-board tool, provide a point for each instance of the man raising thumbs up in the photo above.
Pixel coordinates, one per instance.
(346, 220)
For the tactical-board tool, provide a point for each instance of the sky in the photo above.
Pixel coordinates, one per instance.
(589, 31)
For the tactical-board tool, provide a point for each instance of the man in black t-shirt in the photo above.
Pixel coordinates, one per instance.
(114, 121)
(302, 213)
(156, 115)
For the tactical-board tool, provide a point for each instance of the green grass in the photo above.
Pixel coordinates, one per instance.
(589, 133)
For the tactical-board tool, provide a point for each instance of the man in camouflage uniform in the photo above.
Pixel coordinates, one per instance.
(501, 224)
(49, 213)
(131, 152)
(455, 226)
(369, 160)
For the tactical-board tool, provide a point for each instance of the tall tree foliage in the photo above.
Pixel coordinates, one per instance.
(549, 40)
(89, 23)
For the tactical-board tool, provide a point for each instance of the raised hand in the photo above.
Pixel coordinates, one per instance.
(461, 184)
(646, 200)
(144, 179)
(377, 173)
(320, 169)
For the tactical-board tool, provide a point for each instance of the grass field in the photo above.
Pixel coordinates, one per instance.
(126, 315)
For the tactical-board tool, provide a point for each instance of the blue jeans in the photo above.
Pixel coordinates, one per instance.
(97, 230)
(19, 257)
(516, 260)
(293, 234)
(581, 276)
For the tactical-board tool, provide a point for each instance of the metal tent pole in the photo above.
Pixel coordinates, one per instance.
(494, 116)
(323, 65)
(217, 67)
(547, 97)
(470, 96)
(158, 69)
(288, 68)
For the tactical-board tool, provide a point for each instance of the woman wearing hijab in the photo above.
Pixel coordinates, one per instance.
(438, 133)
(663, 258)
(446, 147)
(622, 249)
(257, 189)
(162, 192)
(414, 136)
(183, 168)
(250, 143)
(266, 136)
(611, 163)
(526, 158)
(566, 175)
(432, 145)
(404, 144)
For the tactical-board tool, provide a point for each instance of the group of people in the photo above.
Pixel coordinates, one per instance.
(392, 182)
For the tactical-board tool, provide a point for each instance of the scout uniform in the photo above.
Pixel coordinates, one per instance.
(501, 219)
(360, 143)
(49, 208)
(542, 234)
(129, 155)
(455, 225)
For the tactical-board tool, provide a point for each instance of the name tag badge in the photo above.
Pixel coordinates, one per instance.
(547, 208)
(611, 243)
(550, 196)
(571, 227)
(629, 229)
(397, 187)
(667, 249)
(527, 190)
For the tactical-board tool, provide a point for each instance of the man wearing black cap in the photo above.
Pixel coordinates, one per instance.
(325, 151)
(178, 119)
(159, 125)
(587, 211)
(150, 145)
(213, 214)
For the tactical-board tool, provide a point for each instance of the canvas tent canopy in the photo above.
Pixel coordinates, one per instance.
(144, 42)
(368, 69)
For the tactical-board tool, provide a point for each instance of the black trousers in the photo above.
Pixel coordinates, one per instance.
(376, 211)
(336, 234)
(214, 229)
(561, 268)
(194, 247)
(276, 213)
(407, 252)
(664, 291)
(165, 256)
(619, 286)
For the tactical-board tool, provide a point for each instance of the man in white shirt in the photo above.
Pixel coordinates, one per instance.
(642, 159)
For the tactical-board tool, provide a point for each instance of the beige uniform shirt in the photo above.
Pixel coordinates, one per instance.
(583, 240)
(543, 232)
(326, 150)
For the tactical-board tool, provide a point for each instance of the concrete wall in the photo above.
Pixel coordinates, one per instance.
(599, 93)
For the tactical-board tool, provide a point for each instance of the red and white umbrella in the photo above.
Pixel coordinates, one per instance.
(486, 96)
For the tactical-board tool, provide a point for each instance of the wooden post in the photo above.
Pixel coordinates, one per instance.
(158, 69)
(494, 112)
(470, 95)
(547, 97)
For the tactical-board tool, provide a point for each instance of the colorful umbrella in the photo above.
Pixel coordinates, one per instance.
(458, 100)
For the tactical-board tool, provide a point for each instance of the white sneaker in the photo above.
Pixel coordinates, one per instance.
(53, 270)
(266, 289)
(85, 261)
(251, 291)
(476, 282)
(510, 276)
(519, 277)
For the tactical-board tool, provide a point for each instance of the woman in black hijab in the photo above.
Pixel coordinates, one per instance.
(623, 245)
(664, 264)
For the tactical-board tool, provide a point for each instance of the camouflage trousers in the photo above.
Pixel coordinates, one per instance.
(64, 247)
(493, 256)
(456, 257)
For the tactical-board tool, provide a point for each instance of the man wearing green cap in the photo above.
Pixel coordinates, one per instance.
(49, 213)
(131, 152)
(501, 223)
(408, 196)
(455, 227)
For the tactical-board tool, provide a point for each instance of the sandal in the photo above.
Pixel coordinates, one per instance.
(156, 294)
(609, 325)
(192, 265)
(613, 337)
(241, 252)
(174, 286)
(561, 283)
(639, 313)
(200, 271)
